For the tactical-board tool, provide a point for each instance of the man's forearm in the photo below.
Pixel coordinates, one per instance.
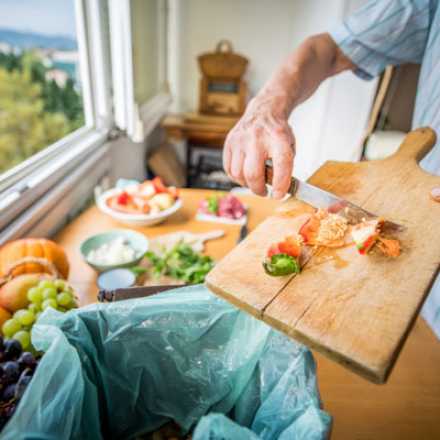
(315, 60)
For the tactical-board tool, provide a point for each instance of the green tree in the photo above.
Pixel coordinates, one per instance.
(25, 127)
(34, 112)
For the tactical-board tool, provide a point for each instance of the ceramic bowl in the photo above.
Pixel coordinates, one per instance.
(134, 239)
(134, 219)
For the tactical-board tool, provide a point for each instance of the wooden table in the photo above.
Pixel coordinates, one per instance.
(406, 408)
(199, 131)
(92, 221)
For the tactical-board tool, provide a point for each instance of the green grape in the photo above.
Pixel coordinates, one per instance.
(34, 308)
(35, 295)
(10, 327)
(44, 284)
(50, 302)
(37, 315)
(24, 338)
(49, 292)
(72, 305)
(60, 285)
(64, 299)
(62, 309)
(25, 317)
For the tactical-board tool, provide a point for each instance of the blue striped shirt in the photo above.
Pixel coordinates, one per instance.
(393, 32)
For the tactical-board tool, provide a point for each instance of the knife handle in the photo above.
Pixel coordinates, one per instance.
(294, 183)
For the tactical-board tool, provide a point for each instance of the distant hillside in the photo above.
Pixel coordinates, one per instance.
(28, 40)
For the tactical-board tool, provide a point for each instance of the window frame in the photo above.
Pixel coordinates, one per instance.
(23, 185)
(137, 119)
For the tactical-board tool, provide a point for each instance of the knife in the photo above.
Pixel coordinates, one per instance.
(243, 233)
(319, 198)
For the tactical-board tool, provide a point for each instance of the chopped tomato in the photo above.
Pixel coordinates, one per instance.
(366, 246)
(309, 229)
(290, 246)
(123, 198)
(336, 207)
(158, 184)
(273, 250)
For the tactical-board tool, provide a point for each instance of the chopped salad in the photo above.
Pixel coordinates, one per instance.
(149, 197)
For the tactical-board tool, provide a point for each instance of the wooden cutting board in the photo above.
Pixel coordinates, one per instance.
(355, 309)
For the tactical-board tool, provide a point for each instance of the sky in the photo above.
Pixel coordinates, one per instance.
(50, 17)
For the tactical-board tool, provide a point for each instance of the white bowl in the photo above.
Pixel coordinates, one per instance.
(134, 219)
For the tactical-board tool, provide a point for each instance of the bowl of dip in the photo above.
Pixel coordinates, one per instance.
(114, 249)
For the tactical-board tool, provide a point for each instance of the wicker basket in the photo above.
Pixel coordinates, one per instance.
(223, 63)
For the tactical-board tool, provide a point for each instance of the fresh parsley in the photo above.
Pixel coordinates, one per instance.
(182, 263)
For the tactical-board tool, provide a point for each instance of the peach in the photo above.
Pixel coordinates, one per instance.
(13, 294)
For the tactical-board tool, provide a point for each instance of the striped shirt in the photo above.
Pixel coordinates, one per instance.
(393, 32)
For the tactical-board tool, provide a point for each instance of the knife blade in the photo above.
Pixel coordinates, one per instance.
(319, 198)
(243, 233)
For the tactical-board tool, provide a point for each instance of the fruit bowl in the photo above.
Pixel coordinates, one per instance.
(134, 219)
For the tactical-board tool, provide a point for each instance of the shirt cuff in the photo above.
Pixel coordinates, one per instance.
(361, 56)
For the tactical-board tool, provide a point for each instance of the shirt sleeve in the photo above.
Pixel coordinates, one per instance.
(385, 32)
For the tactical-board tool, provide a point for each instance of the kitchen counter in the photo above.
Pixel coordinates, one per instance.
(407, 407)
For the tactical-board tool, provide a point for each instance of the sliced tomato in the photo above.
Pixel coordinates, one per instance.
(309, 229)
(158, 184)
(273, 250)
(123, 198)
(366, 246)
(290, 246)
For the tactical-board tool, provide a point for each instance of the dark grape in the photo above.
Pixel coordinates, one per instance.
(1, 343)
(27, 360)
(9, 411)
(11, 371)
(12, 349)
(22, 383)
(9, 392)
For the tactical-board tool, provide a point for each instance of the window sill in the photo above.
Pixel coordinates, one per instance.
(25, 195)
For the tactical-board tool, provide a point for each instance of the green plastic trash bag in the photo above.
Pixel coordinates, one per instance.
(123, 369)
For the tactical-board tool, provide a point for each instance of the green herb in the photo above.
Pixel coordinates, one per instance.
(281, 264)
(138, 270)
(182, 263)
(213, 204)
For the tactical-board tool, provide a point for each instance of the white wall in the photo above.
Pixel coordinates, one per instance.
(331, 123)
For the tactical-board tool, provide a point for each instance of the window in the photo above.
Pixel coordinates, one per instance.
(138, 32)
(58, 51)
(40, 81)
(55, 104)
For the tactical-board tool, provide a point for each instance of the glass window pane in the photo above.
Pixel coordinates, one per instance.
(40, 87)
(149, 46)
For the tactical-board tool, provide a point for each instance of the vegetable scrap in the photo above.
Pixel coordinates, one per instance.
(326, 229)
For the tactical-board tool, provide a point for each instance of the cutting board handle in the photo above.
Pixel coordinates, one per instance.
(416, 145)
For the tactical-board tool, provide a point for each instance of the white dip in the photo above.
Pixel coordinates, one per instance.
(117, 251)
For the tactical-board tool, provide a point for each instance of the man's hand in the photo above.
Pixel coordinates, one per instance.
(262, 133)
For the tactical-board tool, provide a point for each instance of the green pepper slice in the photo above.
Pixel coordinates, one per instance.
(281, 264)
